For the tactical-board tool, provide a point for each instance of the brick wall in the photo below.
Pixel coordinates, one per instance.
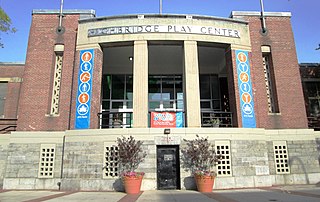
(11, 73)
(286, 71)
(34, 107)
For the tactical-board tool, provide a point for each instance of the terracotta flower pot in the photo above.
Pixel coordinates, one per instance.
(204, 183)
(132, 184)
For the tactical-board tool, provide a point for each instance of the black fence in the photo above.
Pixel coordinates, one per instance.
(115, 119)
(124, 119)
(216, 119)
(7, 125)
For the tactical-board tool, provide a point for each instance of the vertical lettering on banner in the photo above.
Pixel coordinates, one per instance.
(83, 105)
(245, 89)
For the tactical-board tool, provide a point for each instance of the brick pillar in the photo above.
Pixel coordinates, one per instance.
(192, 89)
(140, 85)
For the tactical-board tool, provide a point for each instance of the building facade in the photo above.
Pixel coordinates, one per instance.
(93, 79)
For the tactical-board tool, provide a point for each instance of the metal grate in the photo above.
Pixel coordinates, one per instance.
(281, 157)
(110, 162)
(46, 163)
(224, 165)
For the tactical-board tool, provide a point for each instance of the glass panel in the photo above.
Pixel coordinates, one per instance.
(1, 106)
(216, 104)
(3, 94)
(105, 105)
(129, 105)
(154, 104)
(3, 89)
(106, 86)
(168, 104)
(118, 83)
(117, 105)
(154, 84)
(154, 96)
(180, 104)
(129, 87)
(215, 87)
(179, 86)
(205, 105)
(205, 87)
(314, 107)
(167, 87)
(311, 89)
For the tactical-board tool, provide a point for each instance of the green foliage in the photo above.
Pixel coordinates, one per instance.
(130, 153)
(199, 156)
(5, 24)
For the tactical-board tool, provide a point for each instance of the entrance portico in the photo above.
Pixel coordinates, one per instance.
(199, 53)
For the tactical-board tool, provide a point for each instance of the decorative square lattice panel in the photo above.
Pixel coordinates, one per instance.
(110, 162)
(46, 163)
(224, 165)
(281, 157)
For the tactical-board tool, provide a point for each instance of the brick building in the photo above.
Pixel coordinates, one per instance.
(93, 79)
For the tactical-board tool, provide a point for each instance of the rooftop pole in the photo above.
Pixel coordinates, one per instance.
(160, 7)
(264, 27)
(60, 14)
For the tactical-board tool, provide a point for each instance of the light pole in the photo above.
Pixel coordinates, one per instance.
(160, 7)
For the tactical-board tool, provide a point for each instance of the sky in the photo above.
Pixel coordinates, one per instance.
(305, 18)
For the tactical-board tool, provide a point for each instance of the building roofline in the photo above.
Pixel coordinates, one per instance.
(66, 11)
(258, 13)
(309, 64)
(142, 16)
(12, 63)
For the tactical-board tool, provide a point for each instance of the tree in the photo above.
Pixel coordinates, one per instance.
(5, 24)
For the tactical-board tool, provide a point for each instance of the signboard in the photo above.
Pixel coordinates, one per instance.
(166, 120)
(181, 29)
(82, 120)
(245, 89)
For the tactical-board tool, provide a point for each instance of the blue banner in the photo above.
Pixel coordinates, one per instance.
(245, 89)
(179, 120)
(84, 89)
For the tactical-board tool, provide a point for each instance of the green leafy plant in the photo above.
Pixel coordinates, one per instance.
(5, 24)
(131, 155)
(214, 122)
(199, 156)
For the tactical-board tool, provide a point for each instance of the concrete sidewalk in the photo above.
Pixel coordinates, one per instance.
(303, 193)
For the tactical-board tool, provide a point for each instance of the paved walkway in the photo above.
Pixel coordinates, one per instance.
(303, 193)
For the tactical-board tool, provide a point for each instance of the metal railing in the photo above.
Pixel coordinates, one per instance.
(109, 119)
(7, 125)
(314, 122)
(216, 119)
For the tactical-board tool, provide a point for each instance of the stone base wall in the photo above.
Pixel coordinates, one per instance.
(79, 158)
(4, 143)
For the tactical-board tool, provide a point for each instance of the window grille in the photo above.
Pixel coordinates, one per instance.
(46, 163)
(224, 165)
(56, 85)
(281, 157)
(111, 161)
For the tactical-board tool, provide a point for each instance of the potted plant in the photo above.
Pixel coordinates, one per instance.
(130, 156)
(214, 122)
(199, 157)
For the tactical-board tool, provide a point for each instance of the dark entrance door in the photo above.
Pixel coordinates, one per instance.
(168, 167)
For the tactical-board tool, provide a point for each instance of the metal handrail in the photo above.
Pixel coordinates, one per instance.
(314, 122)
(108, 119)
(216, 119)
(9, 125)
